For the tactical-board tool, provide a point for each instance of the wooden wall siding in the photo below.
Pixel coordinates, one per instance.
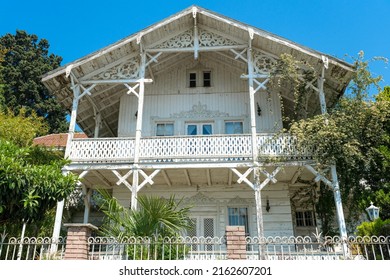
(170, 94)
(180, 109)
(215, 200)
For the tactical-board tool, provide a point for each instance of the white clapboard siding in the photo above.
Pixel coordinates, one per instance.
(215, 108)
(217, 198)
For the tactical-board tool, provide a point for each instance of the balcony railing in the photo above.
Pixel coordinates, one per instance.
(213, 148)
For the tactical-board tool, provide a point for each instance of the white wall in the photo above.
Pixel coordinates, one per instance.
(227, 98)
(214, 201)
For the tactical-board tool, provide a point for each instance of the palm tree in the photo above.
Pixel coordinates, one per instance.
(156, 216)
(156, 226)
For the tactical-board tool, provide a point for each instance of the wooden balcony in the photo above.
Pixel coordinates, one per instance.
(210, 148)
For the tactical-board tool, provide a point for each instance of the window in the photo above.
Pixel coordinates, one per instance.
(234, 127)
(238, 216)
(305, 218)
(164, 129)
(199, 129)
(207, 79)
(192, 83)
(198, 78)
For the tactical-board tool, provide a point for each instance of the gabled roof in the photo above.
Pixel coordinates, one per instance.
(337, 76)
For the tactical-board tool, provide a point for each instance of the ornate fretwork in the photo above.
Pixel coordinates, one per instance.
(199, 111)
(186, 40)
(239, 201)
(183, 40)
(209, 39)
(200, 199)
(128, 69)
(262, 63)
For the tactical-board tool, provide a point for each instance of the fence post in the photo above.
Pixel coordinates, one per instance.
(235, 243)
(77, 241)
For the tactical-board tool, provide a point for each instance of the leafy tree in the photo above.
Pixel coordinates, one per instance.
(353, 135)
(29, 187)
(2, 99)
(31, 181)
(25, 60)
(21, 129)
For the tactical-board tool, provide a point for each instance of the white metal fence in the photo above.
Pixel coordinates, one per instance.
(32, 248)
(202, 248)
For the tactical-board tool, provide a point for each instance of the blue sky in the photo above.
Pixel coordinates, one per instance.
(335, 27)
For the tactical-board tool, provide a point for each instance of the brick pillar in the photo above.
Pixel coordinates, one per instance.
(235, 243)
(77, 241)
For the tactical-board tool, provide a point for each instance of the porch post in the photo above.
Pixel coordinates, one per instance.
(72, 125)
(57, 222)
(98, 119)
(138, 132)
(259, 210)
(252, 92)
(339, 209)
(87, 202)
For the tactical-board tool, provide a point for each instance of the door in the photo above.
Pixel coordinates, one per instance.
(203, 226)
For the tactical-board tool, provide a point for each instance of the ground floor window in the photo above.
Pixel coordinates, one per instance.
(305, 218)
(238, 216)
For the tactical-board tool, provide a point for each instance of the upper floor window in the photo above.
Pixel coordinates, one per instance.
(199, 128)
(207, 79)
(164, 129)
(198, 78)
(192, 81)
(233, 127)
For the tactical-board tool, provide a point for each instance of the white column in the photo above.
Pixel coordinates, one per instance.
(72, 125)
(57, 222)
(252, 92)
(321, 93)
(73, 117)
(339, 208)
(138, 131)
(87, 202)
(98, 119)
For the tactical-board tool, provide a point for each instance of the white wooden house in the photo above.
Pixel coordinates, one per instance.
(182, 107)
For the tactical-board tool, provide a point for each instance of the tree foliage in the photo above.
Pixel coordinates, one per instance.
(354, 135)
(31, 180)
(30, 185)
(21, 129)
(25, 60)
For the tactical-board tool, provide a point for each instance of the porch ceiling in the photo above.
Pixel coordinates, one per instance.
(193, 177)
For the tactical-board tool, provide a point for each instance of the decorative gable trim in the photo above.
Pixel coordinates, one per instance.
(128, 69)
(186, 39)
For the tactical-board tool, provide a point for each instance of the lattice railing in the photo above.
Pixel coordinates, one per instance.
(102, 149)
(218, 148)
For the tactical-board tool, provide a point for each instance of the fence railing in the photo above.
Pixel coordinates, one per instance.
(157, 248)
(215, 148)
(32, 248)
(271, 248)
(202, 248)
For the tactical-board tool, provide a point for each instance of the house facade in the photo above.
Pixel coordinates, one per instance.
(183, 108)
